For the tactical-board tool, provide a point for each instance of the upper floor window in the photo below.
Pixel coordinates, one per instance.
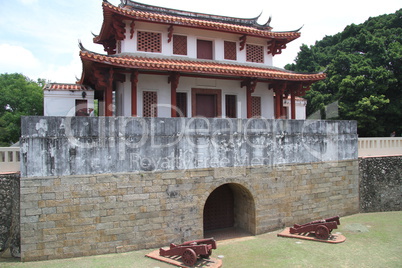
(149, 42)
(256, 106)
(230, 50)
(179, 45)
(254, 53)
(204, 49)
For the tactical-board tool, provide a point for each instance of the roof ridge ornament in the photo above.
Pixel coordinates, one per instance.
(81, 46)
(265, 26)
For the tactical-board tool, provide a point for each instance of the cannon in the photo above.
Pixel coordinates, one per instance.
(190, 250)
(321, 228)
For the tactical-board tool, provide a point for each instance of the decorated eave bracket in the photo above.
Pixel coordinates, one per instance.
(118, 33)
(103, 77)
(119, 29)
(132, 28)
(250, 84)
(275, 47)
(170, 33)
(173, 79)
(243, 40)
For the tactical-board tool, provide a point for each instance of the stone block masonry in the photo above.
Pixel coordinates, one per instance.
(10, 213)
(71, 216)
(381, 183)
(95, 185)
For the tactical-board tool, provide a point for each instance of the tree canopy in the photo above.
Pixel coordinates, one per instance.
(364, 74)
(19, 96)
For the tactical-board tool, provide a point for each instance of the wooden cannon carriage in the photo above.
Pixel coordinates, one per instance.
(321, 228)
(189, 251)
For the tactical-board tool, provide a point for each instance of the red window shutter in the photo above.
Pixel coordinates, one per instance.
(150, 101)
(255, 106)
(230, 50)
(254, 53)
(204, 49)
(179, 45)
(149, 42)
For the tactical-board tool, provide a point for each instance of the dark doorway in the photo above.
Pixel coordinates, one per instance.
(219, 209)
(206, 102)
(206, 105)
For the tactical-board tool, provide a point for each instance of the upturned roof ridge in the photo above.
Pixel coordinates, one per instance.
(133, 5)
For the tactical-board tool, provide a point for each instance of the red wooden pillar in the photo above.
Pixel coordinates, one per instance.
(109, 95)
(134, 81)
(174, 83)
(250, 85)
(292, 104)
(278, 103)
(279, 91)
(249, 103)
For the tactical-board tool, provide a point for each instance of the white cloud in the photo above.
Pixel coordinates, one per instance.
(66, 73)
(17, 59)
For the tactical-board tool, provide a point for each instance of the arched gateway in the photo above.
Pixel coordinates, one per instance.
(229, 205)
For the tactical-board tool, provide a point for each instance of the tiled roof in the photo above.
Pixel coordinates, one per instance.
(132, 5)
(67, 87)
(110, 9)
(174, 64)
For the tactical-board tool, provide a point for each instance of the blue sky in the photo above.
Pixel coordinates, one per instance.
(39, 38)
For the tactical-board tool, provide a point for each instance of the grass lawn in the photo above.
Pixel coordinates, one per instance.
(372, 240)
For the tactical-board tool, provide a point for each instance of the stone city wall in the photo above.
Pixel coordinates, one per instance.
(381, 183)
(112, 184)
(71, 216)
(10, 213)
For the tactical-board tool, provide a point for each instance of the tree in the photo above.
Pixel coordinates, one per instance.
(19, 96)
(364, 74)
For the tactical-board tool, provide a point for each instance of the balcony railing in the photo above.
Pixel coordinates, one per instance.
(380, 146)
(9, 159)
(10, 156)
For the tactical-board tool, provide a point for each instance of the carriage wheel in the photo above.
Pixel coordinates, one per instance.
(189, 257)
(322, 232)
(206, 256)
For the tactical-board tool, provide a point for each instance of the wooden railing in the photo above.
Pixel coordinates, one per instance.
(380, 146)
(9, 159)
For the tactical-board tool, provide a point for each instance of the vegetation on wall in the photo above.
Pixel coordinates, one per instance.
(19, 96)
(364, 74)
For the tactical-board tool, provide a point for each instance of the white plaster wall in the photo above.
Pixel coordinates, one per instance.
(300, 109)
(159, 84)
(62, 103)
(130, 45)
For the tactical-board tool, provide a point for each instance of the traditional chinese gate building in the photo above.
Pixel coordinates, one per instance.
(189, 140)
(205, 65)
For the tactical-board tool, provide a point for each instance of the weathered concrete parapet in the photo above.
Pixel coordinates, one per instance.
(57, 146)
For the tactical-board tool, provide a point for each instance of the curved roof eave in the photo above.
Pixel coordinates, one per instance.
(111, 11)
(178, 64)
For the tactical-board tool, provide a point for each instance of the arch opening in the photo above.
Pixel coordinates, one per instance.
(229, 207)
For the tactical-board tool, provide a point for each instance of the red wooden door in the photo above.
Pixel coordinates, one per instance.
(204, 49)
(206, 105)
(219, 209)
